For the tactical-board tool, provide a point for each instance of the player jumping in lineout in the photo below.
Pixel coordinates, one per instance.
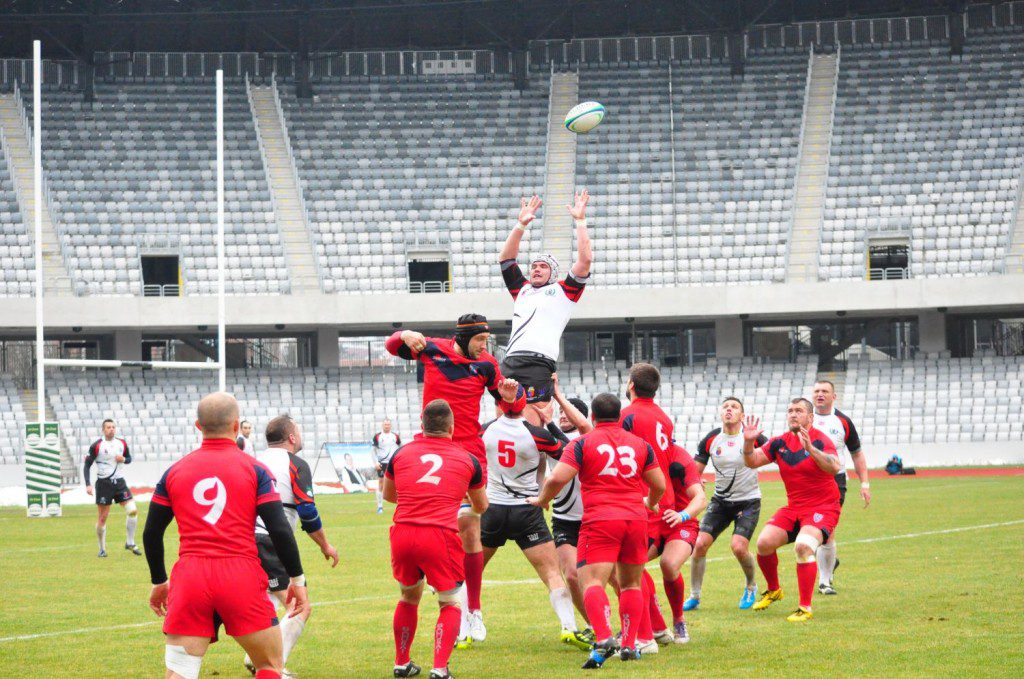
(543, 305)
(109, 453)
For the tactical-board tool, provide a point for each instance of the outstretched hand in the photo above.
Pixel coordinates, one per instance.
(528, 209)
(508, 389)
(751, 428)
(578, 209)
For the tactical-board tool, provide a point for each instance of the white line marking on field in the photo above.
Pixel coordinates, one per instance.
(499, 583)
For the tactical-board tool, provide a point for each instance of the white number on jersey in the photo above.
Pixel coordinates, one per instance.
(626, 458)
(216, 504)
(663, 441)
(435, 463)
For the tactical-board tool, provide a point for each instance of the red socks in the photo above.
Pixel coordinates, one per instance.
(267, 674)
(645, 630)
(631, 612)
(595, 600)
(770, 567)
(675, 590)
(446, 632)
(806, 574)
(474, 565)
(404, 624)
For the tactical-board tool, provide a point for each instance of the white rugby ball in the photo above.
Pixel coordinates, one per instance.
(582, 118)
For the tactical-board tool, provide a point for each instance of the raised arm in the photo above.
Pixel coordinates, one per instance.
(571, 412)
(751, 431)
(527, 213)
(826, 462)
(584, 254)
(406, 344)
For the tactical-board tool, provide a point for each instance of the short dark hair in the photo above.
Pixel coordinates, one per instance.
(806, 402)
(606, 408)
(733, 398)
(280, 428)
(437, 417)
(580, 406)
(645, 378)
(245, 422)
(107, 420)
(828, 382)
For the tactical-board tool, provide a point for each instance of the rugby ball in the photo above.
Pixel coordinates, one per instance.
(582, 118)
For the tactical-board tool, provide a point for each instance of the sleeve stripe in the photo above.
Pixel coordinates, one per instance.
(267, 497)
(160, 500)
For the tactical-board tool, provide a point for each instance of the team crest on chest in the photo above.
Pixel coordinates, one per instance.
(818, 517)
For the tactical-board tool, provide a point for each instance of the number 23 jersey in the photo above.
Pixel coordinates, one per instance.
(432, 476)
(611, 464)
(213, 492)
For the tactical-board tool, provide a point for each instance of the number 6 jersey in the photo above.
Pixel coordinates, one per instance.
(432, 475)
(213, 492)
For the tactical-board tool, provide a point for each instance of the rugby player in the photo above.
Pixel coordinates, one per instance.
(385, 443)
(109, 453)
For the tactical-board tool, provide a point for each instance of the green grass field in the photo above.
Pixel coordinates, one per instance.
(921, 594)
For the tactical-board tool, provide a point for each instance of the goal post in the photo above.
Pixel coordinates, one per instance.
(42, 439)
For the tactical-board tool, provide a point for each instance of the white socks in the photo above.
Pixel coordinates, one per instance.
(826, 562)
(561, 601)
(464, 608)
(129, 525)
(697, 567)
(291, 629)
(101, 535)
(380, 497)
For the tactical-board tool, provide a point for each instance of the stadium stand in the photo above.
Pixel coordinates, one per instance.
(383, 163)
(136, 170)
(928, 147)
(12, 431)
(17, 258)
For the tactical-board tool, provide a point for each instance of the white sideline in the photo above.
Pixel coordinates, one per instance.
(499, 583)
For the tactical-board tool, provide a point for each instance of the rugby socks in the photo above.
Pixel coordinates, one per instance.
(643, 629)
(697, 568)
(598, 611)
(561, 601)
(291, 630)
(826, 556)
(464, 615)
(101, 535)
(675, 590)
(631, 612)
(806, 574)
(747, 564)
(474, 565)
(380, 498)
(445, 634)
(404, 624)
(129, 526)
(654, 610)
(770, 568)
(267, 674)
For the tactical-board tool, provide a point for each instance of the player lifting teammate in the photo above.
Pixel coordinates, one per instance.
(294, 484)
(839, 428)
(215, 493)
(427, 479)
(385, 443)
(737, 500)
(543, 305)
(109, 453)
(807, 463)
(459, 370)
(616, 471)
(515, 462)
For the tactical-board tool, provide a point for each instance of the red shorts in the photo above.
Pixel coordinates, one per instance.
(791, 519)
(612, 541)
(429, 552)
(659, 533)
(204, 592)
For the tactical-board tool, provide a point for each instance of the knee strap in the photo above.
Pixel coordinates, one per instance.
(181, 663)
(449, 597)
(810, 542)
(131, 508)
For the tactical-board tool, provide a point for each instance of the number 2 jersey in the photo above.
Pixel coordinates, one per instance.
(611, 464)
(515, 451)
(213, 492)
(432, 476)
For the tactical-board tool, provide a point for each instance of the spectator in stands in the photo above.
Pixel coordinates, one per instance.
(244, 439)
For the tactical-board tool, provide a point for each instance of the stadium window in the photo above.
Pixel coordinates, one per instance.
(161, 276)
(888, 260)
(429, 275)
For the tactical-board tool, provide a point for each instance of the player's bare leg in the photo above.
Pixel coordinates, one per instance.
(567, 564)
(540, 412)
(264, 648)
(697, 567)
(102, 512)
(741, 550)
(183, 656)
(472, 619)
(131, 522)
(768, 543)
(672, 560)
(544, 560)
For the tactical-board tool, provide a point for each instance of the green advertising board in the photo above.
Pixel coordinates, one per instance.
(42, 469)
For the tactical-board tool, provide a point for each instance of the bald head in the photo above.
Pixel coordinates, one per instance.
(218, 416)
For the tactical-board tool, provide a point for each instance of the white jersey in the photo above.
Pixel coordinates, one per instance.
(734, 480)
(384, 446)
(514, 450)
(293, 481)
(245, 445)
(567, 505)
(102, 453)
(839, 428)
(540, 314)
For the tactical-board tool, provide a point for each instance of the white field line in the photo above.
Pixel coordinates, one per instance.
(504, 583)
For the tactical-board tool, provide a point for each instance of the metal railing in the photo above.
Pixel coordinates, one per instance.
(155, 290)
(799, 165)
(429, 287)
(828, 149)
(672, 157)
(547, 145)
(891, 273)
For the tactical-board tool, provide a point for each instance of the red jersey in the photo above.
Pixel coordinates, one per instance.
(432, 476)
(611, 464)
(459, 380)
(213, 492)
(682, 473)
(806, 484)
(647, 420)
